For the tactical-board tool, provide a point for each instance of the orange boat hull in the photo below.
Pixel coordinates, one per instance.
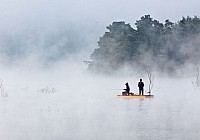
(135, 96)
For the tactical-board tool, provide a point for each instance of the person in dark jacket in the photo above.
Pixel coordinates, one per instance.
(141, 87)
(127, 90)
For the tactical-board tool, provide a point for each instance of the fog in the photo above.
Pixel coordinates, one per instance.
(59, 105)
(50, 30)
(47, 93)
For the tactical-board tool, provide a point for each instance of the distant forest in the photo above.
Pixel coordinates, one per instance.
(165, 47)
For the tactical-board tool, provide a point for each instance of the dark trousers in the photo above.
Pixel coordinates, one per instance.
(141, 90)
(125, 93)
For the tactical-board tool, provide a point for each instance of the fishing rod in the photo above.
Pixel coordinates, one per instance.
(116, 89)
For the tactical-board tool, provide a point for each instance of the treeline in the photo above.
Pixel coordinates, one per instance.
(165, 46)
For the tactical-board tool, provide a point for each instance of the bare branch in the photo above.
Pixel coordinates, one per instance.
(151, 79)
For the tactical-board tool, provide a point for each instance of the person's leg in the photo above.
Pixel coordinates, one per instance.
(142, 91)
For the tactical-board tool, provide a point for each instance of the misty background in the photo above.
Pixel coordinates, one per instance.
(46, 93)
(48, 31)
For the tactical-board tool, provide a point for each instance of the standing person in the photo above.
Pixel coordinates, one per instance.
(141, 87)
(127, 90)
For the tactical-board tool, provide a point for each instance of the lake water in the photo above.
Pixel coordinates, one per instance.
(88, 109)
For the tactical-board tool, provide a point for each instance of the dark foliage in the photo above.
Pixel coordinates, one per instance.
(165, 46)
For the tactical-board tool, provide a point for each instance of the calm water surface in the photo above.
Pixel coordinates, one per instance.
(98, 114)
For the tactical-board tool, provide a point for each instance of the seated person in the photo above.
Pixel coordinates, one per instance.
(127, 90)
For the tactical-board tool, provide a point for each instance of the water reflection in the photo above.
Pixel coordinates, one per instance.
(100, 115)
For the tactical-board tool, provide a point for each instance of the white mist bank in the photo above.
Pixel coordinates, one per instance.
(71, 74)
(51, 96)
(68, 103)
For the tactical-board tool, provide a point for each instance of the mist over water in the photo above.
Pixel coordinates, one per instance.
(69, 103)
(47, 94)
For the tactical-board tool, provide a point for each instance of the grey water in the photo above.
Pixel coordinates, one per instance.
(79, 108)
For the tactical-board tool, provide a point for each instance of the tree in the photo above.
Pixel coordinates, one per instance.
(149, 29)
(164, 46)
(168, 26)
(115, 47)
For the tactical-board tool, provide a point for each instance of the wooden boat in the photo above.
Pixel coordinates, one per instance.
(135, 96)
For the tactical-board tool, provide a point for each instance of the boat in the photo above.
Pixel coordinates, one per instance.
(135, 96)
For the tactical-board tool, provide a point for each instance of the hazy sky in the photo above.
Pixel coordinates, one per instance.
(34, 24)
(101, 11)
